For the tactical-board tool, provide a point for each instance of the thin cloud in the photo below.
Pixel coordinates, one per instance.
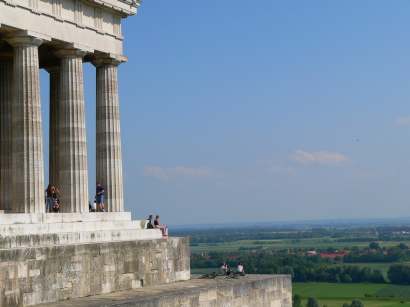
(403, 121)
(318, 157)
(163, 173)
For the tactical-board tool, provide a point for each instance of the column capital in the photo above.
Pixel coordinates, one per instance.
(23, 39)
(52, 69)
(70, 53)
(108, 59)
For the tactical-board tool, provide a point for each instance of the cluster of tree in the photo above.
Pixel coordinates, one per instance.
(337, 274)
(302, 269)
(375, 253)
(399, 274)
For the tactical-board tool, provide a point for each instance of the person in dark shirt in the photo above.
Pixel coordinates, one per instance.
(149, 223)
(52, 197)
(99, 197)
(49, 198)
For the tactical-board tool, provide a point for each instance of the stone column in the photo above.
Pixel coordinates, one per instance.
(73, 175)
(6, 77)
(54, 73)
(108, 138)
(27, 141)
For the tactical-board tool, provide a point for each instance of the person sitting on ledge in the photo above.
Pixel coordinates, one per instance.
(149, 222)
(240, 269)
(228, 270)
(164, 228)
(224, 268)
(99, 197)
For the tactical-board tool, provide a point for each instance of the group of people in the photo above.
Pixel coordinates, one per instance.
(226, 269)
(157, 225)
(53, 199)
(53, 206)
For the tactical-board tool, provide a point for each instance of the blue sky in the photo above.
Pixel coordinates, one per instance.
(264, 111)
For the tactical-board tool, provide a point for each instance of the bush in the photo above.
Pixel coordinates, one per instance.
(356, 303)
(374, 245)
(312, 302)
(297, 301)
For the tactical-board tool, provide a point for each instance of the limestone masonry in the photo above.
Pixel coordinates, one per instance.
(77, 255)
(250, 291)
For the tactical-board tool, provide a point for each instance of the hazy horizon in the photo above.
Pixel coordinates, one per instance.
(280, 110)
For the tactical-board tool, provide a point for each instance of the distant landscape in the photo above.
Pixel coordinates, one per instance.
(332, 264)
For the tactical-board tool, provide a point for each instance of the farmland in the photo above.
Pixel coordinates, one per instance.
(362, 272)
(335, 295)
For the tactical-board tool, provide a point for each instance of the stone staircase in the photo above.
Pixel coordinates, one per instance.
(37, 230)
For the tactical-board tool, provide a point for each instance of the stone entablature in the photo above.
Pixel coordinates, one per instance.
(93, 25)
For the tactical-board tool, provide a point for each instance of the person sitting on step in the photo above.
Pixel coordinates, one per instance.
(164, 228)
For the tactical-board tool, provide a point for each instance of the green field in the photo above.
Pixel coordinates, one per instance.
(334, 295)
(316, 243)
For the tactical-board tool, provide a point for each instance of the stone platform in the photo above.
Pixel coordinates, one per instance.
(52, 257)
(28, 230)
(249, 291)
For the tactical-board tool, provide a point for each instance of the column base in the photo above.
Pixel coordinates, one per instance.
(47, 218)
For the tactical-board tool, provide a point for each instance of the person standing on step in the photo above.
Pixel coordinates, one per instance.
(99, 197)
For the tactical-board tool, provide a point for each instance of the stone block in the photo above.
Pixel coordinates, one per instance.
(35, 275)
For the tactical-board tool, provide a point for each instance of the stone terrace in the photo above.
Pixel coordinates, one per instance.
(249, 291)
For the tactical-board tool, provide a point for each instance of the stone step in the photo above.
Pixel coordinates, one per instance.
(44, 218)
(53, 228)
(78, 237)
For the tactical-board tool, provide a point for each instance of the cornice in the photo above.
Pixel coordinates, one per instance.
(126, 7)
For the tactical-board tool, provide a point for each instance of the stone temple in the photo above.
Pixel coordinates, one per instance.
(90, 259)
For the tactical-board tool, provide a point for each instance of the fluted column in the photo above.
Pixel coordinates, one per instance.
(27, 141)
(73, 175)
(54, 73)
(6, 77)
(108, 138)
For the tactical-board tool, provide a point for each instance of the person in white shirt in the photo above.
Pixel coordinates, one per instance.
(240, 269)
(224, 268)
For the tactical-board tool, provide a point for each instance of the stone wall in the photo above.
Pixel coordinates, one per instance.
(249, 291)
(31, 276)
(253, 291)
